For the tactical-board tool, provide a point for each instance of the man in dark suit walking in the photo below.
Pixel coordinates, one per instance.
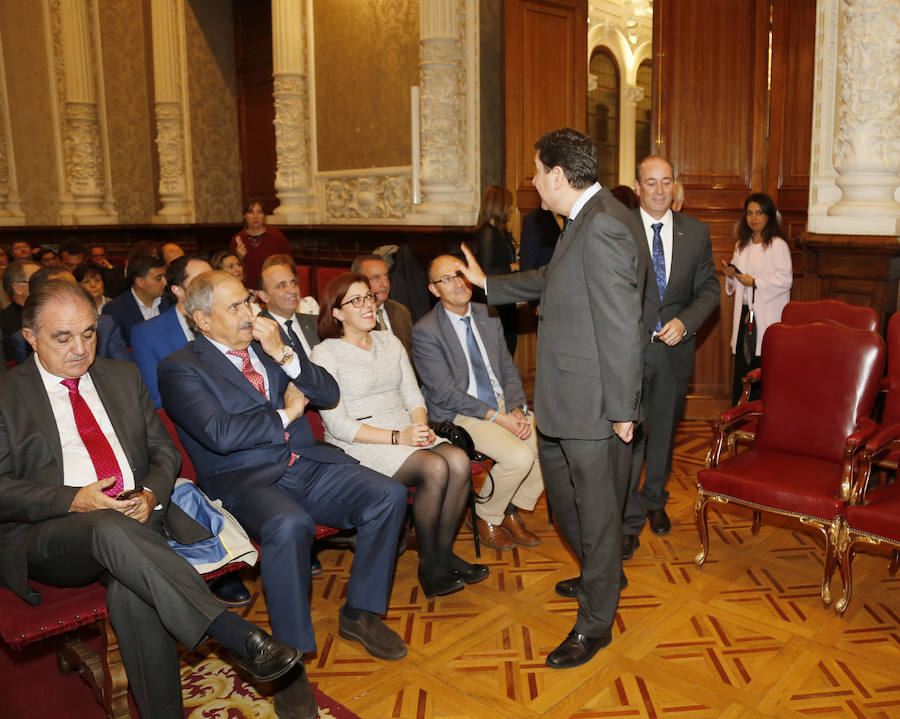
(677, 251)
(77, 432)
(588, 383)
(237, 394)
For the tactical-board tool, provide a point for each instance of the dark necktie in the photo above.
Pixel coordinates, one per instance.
(482, 379)
(95, 442)
(566, 223)
(659, 265)
(379, 319)
(293, 338)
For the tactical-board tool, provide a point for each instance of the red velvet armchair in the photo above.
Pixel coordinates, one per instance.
(821, 383)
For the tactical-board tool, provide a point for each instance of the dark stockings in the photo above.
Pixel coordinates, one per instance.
(442, 477)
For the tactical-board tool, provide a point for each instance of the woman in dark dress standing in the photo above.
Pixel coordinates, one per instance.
(496, 252)
(256, 242)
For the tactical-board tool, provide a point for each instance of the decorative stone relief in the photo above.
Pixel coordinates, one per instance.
(10, 207)
(369, 197)
(171, 148)
(443, 126)
(292, 132)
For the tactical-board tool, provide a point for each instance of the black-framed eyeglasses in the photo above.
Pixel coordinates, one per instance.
(447, 279)
(359, 300)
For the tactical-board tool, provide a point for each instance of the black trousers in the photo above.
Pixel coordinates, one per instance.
(742, 367)
(154, 596)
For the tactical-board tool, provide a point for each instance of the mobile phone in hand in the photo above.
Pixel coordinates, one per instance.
(735, 268)
(131, 493)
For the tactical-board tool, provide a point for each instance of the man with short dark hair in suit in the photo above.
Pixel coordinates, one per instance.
(86, 473)
(588, 381)
(469, 378)
(678, 254)
(279, 289)
(390, 315)
(237, 395)
(144, 301)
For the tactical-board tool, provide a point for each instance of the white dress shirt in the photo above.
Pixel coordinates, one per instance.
(147, 312)
(78, 469)
(665, 233)
(459, 327)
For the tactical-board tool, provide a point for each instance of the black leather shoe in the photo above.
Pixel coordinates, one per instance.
(630, 542)
(230, 590)
(378, 639)
(568, 587)
(438, 585)
(315, 566)
(576, 649)
(659, 521)
(473, 574)
(295, 699)
(267, 658)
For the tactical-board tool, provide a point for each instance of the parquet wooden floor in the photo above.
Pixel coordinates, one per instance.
(746, 636)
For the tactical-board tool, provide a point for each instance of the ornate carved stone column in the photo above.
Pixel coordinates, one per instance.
(290, 69)
(74, 39)
(448, 64)
(630, 96)
(855, 173)
(10, 206)
(173, 134)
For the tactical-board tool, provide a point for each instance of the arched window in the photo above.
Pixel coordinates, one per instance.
(643, 113)
(603, 114)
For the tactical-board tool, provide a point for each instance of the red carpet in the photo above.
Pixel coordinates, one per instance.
(31, 686)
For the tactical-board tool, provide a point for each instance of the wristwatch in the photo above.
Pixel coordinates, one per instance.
(286, 357)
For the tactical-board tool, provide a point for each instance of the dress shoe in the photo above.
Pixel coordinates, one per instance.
(315, 566)
(472, 574)
(576, 649)
(492, 535)
(630, 542)
(295, 699)
(513, 524)
(377, 638)
(659, 521)
(436, 584)
(568, 587)
(230, 590)
(267, 658)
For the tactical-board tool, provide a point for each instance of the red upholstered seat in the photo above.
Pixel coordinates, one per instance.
(801, 313)
(821, 382)
(324, 275)
(879, 516)
(304, 279)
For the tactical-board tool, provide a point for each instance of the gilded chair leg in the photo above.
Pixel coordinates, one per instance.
(757, 521)
(846, 557)
(835, 538)
(895, 562)
(701, 502)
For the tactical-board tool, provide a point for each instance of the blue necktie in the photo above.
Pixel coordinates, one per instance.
(482, 378)
(659, 265)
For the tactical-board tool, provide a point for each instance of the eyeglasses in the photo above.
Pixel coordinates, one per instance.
(359, 300)
(447, 279)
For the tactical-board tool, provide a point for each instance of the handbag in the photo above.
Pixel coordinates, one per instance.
(748, 346)
(459, 437)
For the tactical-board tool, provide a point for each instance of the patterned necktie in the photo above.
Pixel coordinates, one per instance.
(256, 379)
(482, 379)
(293, 338)
(95, 442)
(659, 265)
(379, 319)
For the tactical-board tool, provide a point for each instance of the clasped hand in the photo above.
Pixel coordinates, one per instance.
(417, 435)
(91, 497)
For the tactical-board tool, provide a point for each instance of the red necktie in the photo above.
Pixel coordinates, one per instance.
(256, 379)
(98, 447)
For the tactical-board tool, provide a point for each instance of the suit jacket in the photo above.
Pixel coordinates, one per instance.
(306, 323)
(151, 341)
(441, 362)
(692, 292)
(110, 343)
(589, 351)
(31, 465)
(539, 235)
(232, 433)
(125, 311)
(401, 323)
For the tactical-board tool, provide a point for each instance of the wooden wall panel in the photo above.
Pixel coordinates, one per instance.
(546, 81)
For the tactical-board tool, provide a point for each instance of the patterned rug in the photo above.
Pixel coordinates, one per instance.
(211, 689)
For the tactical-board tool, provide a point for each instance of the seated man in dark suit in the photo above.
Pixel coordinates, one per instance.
(279, 289)
(469, 378)
(15, 282)
(390, 315)
(114, 280)
(109, 340)
(147, 278)
(237, 394)
(75, 434)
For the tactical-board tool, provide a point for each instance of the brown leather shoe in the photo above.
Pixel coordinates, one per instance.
(513, 524)
(493, 535)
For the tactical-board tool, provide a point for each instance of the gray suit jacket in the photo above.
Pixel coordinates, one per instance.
(692, 292)
(589, 352)
(441, 363)
(401, 323)
(31, 470)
